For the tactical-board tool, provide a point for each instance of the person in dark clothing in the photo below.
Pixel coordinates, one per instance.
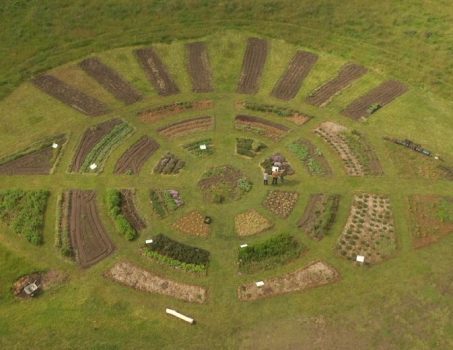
(266, 178)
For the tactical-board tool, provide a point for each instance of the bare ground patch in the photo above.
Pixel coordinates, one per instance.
(132, 161)
(250, 223)
(192, 224)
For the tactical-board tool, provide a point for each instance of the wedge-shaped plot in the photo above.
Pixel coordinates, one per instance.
(132, 161)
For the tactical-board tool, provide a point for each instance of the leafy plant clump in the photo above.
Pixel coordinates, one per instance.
(114, 200)
(445, 210)
(176, 254)
(274, 251)
(311, 157)
(62, 237)
(165, 201)
(249, 147)
(24, 212)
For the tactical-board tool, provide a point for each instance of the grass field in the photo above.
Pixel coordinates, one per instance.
(403, 303)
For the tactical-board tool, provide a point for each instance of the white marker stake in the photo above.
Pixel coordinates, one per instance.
(180, 316)
(259, 283)
(203, 147)
(93, 166)
(360, 258)
(244, 245)
(149, 241)
(54, 145)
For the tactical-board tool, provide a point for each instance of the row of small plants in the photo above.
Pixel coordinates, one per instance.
(303, 153)
(280, 111)
(249, 147)
(103, 148)
(114, 202)
(165, 201)
(178, 255)
(194, 147)
(264, 255)
(24, 211)
(62, 237)
(360, 148)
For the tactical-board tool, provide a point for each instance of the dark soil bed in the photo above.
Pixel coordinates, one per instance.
(129, 210)
(252, 66)
(188, 126)
(261, 126)
(198, 67)
(132, 161)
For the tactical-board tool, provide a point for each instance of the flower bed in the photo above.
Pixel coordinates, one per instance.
(281, 203)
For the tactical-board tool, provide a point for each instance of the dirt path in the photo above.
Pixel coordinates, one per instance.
(252, 66)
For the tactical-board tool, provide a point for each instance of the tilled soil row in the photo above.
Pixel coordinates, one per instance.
(110, 80)
(259, 125)
(89, 238)
(381, 95)
(252, 66)
(199, 68)
(143, 280)
(157, 73)
(129, 210)
(132, 161)
(70, 95)
(155, 114)
(314, 275)
(291, 81)
(169, 164)
(187, 126)
(346, 76)
(89, 139)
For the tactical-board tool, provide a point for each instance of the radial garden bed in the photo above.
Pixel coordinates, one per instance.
(200, 148)
(369, 231)
(314, 275)
(293, 115)
(135, 277)
(198, 67)
(319, 215)
(311, 156)
(177, 255)
(274, 251)
(261, 126)
(187, 127)
(281, 203)
(249, 147)
(358, 157)
(132, 161)
(252, 66)
(193, 223)
(165, 202)
(250, 223)
(223, 184)
(38, 159)
(155, 114)
(432, 218)
(169, 164)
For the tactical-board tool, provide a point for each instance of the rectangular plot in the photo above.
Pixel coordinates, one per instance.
(110, 80)
(252, 66)
(290, 83)
(157, 72)
(199, 68)
(347, 74)
(374, 99)
(70, 95)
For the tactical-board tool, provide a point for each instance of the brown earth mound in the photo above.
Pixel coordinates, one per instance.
(346, 76)
(261, 126)
(110, 80)
(250, 223)
(314, 275)
(140, 279)
(70, 95)
(89, 238)
(136, 156)
(192, 224)
(379, 97)
(89, 139)
(44, 280)
(199, 68)
(252, 66)
(291, 81)
(155, 114)
(157, 72)
(129, 210)
(188, 126)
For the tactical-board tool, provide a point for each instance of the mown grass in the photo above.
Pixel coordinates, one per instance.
(376, 307)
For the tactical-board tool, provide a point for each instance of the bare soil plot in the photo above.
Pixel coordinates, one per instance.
(157, 72)
(45, 281)
(250, 223)
(369, 231)
(38, 159)
(291, 81)
(281, 203)
(346, 76)
(129, 210)
(261, 126)
(192, 224)
(89, 238)
(111, 80)
(169, 164)
(314, 275)
(186, 127)
(91, 137)
(312, 157)
(375, 99)
(132, 161)
(143, 280)
(358, 157)
(319, 215)
(252, 66)
(290, 114)
(70, 95)
(153, 115)
(432, 218)
(199, 68)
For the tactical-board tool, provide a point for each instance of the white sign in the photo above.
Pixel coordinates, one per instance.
(360, 258)
(149, 241)
(203, 147)
(244, 245)
(275, 168)
(54, 145)
(259, 283)
(93, 166)
(180, 316)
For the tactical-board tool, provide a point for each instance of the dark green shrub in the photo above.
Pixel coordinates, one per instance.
(114, 200)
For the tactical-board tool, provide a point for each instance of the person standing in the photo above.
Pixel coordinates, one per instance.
(266, 178)
(282, 174)
(274, 177)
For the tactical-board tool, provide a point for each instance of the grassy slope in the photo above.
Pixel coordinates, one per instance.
(105, 314)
